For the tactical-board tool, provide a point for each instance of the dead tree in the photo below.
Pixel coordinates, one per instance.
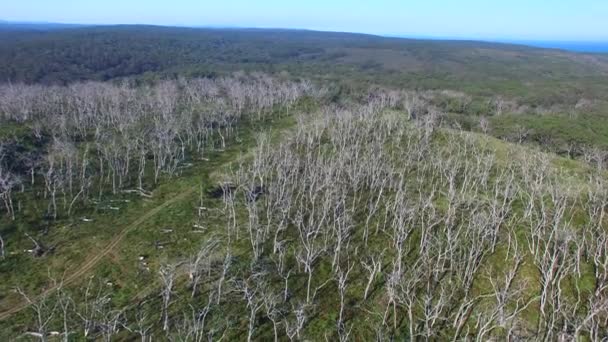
(199, 264)
(310, 249)
(413, 104)
(225, 269)
(373, 266)
(7, 183)
(39, 249)
(391, 286)
(342, 282)
(596, 157)
(273, 310)
(96, 312)
(141, 325)
(2, 253)
(509, 302)
(550, 241)
(252, 291)
(484, 124)
(110, 324)
(67, 305)
(293, 327)
(44, 313)
(192, 327)
(167, 274)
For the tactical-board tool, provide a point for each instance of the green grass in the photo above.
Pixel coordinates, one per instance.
(132, 284)
(77, 241)
(556, 131)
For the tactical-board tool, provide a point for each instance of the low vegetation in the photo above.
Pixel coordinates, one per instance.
(363, 188)
(366, 221)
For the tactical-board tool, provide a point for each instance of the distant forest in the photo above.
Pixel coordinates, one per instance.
(63, 56)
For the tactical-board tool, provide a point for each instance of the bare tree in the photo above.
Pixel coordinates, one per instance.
(192, 327)
(199, 264)
(509, 302)
(7, 183)
(141, 325)
(342, 282)
(44, 313)
(167, 276)
(293, 328)
(252, 290)
(66, 305)
(110, 324)
(374, 267)
(225, 269)
(273, 310)
(2, 253)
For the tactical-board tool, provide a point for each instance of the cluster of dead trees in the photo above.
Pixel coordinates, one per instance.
(8, 182)
(418, 232)
(363, 224)
(97, 137)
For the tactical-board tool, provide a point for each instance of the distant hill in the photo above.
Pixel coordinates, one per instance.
(6, 25)
(108, 52)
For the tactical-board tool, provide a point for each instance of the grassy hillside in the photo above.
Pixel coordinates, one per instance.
(312, 186)
(351, 223)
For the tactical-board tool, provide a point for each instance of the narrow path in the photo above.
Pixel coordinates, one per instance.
(89, 264)
(92, 262)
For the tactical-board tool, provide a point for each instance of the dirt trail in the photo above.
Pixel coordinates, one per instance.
(89, 264)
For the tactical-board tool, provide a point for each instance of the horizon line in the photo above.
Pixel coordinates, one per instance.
(497, 39)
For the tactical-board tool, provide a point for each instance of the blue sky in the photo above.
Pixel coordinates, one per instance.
(477, 19)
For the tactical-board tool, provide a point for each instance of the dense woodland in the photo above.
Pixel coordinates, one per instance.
(97, 135)
(189, 185)
(539, 76)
